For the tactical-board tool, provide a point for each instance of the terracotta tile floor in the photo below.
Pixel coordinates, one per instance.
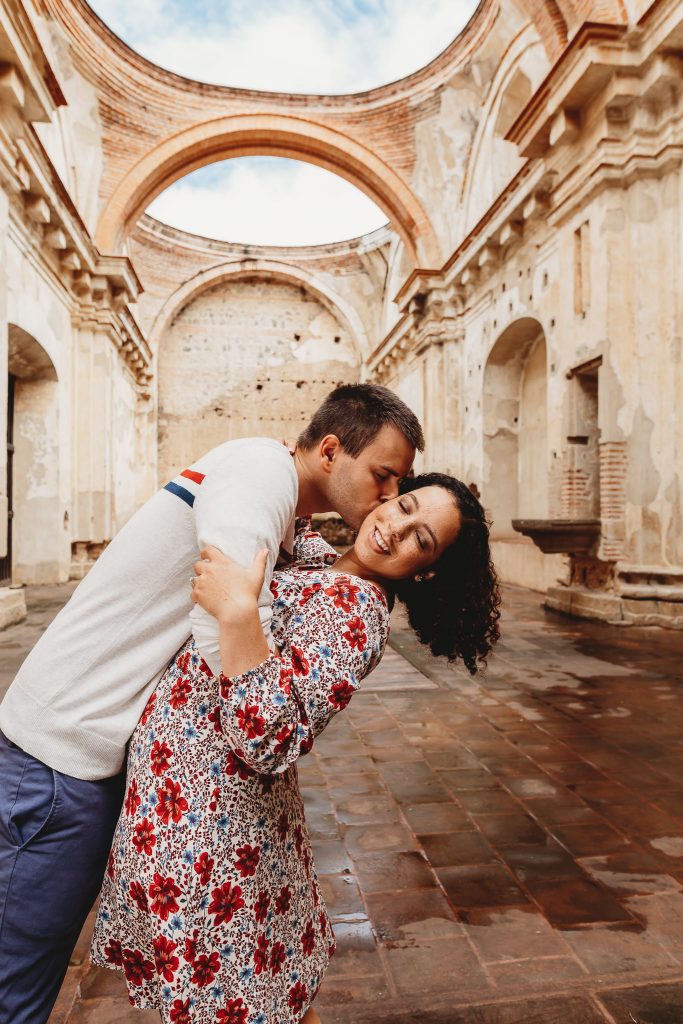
(503, 850)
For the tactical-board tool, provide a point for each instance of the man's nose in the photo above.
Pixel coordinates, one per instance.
(390, 489)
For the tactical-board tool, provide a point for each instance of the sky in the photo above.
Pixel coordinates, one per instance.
(318, 46)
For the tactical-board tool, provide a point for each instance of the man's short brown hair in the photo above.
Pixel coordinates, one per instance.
(355, 413)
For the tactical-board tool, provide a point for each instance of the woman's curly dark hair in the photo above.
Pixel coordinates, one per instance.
(456, 611)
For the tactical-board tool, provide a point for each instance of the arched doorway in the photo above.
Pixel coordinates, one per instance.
(39, 541)
(516, 456)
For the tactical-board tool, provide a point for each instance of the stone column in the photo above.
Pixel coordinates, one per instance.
(453, 437)
(12, 601)
(92, 441)
(434, 406)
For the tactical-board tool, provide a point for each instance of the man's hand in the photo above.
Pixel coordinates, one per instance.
(225, 589)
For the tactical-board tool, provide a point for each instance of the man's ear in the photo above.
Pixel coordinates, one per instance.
(329, 449)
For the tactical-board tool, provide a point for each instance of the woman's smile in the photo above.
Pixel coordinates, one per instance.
(379, 543)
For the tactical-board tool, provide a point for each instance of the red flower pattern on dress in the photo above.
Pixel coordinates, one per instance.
(180, 1012)
(205, 969)
(163, 892)
(138, 895)
(183, 662)
(308, 939)
(298, 994)
(190, 954)
(224, 791)
(285, 681)
(143, 837)
(250, 722)
(340, 694)
(112, 951)
(179, 693)
(344, 593)
(261, 955)
(247, 860)
(283, 901)
(149, 708)
(284, 738)
(225, 900)
(235, 1012)
(308, 592)
(204, 866)
(300, 665)
(355, 633)
(171, 804)
(133, 799)
(235, 766)
(165, 961)
(261, 906)
(277, 957)
(135, 967)
(160, 757)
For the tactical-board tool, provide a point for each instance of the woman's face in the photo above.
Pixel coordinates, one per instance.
(406, 535)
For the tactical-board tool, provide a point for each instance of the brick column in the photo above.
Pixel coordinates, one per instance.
(613, 463)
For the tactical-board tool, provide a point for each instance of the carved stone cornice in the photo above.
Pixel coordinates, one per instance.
(28, 80)
(100, 287)
(431, 311)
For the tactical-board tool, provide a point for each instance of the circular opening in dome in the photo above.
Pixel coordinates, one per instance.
(300, 46)
(261, 200)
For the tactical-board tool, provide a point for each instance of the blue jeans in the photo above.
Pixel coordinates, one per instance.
(55, 835)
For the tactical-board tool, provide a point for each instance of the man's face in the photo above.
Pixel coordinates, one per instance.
(357, 486)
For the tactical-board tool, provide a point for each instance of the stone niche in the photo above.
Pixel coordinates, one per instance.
(246, 358)
(515, 481)
(576, 531)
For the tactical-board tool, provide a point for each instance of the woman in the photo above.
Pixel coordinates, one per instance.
(211, 905)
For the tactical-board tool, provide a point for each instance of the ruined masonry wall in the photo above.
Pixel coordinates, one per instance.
(246, 358)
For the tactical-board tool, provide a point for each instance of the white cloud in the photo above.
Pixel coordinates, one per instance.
(268, 201)
(290, 45)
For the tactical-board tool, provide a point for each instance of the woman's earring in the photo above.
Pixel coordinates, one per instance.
(419, 578)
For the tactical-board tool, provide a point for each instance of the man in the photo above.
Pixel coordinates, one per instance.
(77, 698)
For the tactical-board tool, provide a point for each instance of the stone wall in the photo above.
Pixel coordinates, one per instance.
(563, 303)
(246, 358)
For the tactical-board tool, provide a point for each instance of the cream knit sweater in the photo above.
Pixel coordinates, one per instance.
(78, 696)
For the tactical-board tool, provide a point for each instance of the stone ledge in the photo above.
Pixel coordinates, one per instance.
(585, 604)
(613, 608)
(12, 606)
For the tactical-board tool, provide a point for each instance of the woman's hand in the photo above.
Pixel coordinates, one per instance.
(224, 588)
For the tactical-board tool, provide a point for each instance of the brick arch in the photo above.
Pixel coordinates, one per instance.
(550, 22)
(269, 270)
(557, 21)
(271, 135)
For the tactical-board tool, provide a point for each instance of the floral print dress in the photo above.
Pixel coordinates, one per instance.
(211, 905)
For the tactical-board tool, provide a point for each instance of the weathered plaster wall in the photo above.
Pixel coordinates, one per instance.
(584, 243)
(353, 273)
(246, 358)
(73, 138)
(40, 334)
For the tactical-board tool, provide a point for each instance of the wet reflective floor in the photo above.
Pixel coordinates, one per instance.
(503, 850)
